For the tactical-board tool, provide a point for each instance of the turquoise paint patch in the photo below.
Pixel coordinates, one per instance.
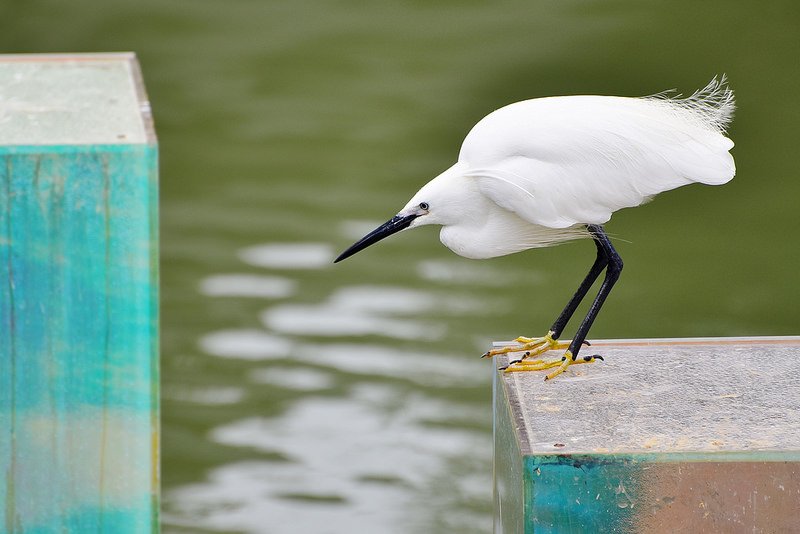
(78, 254)
(566, 494)
(78, 337)
(101, 520)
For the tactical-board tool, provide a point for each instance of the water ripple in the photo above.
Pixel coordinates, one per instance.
(334, 321)
(415, 365)
(293, 378)
(356, 229)
(338, 459)
(288, 255)
(247, 285)
(209, 396)
(245, 345)
(384, 299)
(371, 310)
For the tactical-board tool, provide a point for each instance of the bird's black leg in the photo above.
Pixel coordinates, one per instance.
(613, 270)
(600, 263)
(608, 259)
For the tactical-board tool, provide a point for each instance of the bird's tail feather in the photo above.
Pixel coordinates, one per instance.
(712, 106)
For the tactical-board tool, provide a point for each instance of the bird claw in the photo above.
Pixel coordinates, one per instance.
(561, 364)
(534, 346)
(531, 346)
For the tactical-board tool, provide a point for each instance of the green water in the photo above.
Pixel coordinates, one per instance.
(349, 398)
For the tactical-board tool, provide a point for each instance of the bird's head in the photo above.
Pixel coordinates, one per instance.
(433, 204)
(414, 214)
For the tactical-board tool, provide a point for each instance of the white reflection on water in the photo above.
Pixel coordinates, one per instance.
(330, 320)
(288, 255)
(247, 285)
(404, 301)
(367, 462)
(213, 396)
(386, 455)
(356, 229)
(416, 366)
(245, 345)
(369, 310)
(298, 379)
(383, 299)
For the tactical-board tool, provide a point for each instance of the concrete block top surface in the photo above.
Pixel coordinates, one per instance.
(73, 99)
(664, 396)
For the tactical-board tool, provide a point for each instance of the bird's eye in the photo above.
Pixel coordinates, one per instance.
(423, 205)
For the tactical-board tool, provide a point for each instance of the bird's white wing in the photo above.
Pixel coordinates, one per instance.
(563, 161)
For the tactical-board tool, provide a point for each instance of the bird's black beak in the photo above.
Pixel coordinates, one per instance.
(392, 226)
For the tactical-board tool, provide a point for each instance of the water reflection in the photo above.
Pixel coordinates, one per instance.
(297, 379)
(328, 319)
(358, 311)
(247, 286)
(214, 396)
(245, 345)
(381, 442)
(363, 462)
(356, 229)
(414, 365)
(371, 310)
(289, 255)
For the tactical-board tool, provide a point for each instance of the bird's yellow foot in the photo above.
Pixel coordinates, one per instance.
(531, 346)
(540, 365)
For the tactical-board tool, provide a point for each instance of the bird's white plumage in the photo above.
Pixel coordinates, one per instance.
(543, 171)
(535, 172)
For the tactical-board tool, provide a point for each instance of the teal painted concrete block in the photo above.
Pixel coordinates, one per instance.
(664, 436)
(78, 296)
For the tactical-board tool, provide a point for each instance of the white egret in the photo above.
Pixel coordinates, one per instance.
(543, 171)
